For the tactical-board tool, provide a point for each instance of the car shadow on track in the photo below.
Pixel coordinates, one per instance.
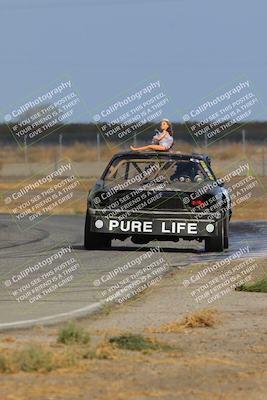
(141, 249)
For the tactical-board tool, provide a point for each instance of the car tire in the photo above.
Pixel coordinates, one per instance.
(226, 231)
(216, 244)
(94, 241)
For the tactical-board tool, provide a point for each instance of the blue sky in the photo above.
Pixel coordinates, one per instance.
(108, 46)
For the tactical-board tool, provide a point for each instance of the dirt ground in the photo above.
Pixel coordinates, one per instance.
(225, 361)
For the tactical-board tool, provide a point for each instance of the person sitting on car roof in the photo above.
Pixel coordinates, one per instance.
(162, 140)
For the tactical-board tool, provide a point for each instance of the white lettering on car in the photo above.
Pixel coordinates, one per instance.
(168, 227)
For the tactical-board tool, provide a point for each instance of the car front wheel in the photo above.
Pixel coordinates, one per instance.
(216, 244)
(95, 241)
(226, 230)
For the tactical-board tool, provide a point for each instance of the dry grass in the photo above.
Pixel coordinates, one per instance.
(259, 286)
(82, 152)
(231, 151)
(252, 209)
(32, 357)
(78, 152)
(134, 342)
(103, 351)
(35, 358)
(199, 319)
(72, 334)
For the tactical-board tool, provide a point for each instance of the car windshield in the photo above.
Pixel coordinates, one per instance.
(145, 170)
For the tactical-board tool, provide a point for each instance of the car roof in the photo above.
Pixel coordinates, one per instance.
(152, 154)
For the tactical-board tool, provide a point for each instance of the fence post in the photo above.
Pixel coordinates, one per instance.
(25, 149)
(244, 142)
(263, 160)
(98, 146)
(60, 145)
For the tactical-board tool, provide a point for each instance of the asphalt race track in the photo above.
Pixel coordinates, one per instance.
(88, 277)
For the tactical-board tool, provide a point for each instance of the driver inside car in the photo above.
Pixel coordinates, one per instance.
(186, 172)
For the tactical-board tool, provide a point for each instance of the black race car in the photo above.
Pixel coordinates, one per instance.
(158, 195)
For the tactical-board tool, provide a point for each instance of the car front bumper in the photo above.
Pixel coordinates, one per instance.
(154, 223)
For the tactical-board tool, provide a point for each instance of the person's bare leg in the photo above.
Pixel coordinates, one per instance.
(149, 147)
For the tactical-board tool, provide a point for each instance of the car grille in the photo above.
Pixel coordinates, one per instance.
(145, 200)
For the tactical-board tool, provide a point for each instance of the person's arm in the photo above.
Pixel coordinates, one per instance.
(162, 135)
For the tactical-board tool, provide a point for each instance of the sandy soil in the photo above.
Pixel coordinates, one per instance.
(226, 361)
